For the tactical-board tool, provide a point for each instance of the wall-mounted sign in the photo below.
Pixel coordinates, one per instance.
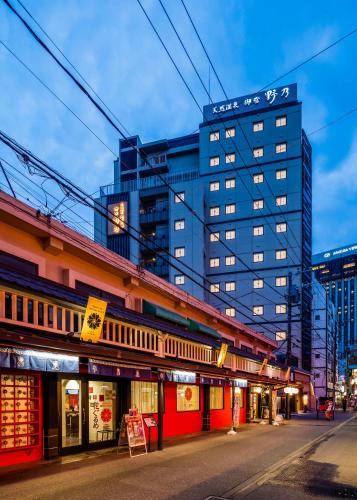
(252, 102)
(118, 215)
(93, 319)
(333, 254)
(222, 355)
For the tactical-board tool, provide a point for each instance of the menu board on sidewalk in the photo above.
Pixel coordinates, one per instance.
(135, 431)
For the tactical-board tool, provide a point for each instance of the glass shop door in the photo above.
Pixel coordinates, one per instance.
(73, 415)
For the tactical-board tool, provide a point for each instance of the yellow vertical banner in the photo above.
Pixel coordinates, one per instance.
(93, 319)
(222, 355)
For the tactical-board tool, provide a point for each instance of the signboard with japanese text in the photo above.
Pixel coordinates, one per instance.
(118, 215)
(135, 430)
(252, 102)
(93, 319)
(150, 422)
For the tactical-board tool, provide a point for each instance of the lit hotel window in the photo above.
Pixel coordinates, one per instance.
(258, 230)
(230, 132)
(258, 152)
(280, 308)
(230, 234)
(179, 251)
(258, 204)
(280, 121)
(214, 211)
(258, 283)
(230, 311)
(214, 161)
(179, 224)
(281, 148)
(230, 286)
(280, 201)
(280, 281)
(214, 262)
(179, 279)
(281, 174)
(214, 287)
(230, 158)
(179, 197)
(230, 260)
(230, 183)
(258, 256)
(214, 186)
(258, 178)
(231, 208)
(280, 335)
(281, 227)
(280, 254)
(214, 237)
(258, 310)
(258, 126)
(214, 136)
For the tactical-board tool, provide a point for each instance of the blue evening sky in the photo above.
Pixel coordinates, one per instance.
(251, 42)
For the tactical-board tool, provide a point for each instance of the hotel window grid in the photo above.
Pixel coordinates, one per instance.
(280, 308)
(280, 281)
(179, 279)
(179, 251)
(230, 158)
(214, 161)
(230, 183)
(281, 227)
(258, 126)
(180, 197)
(179, 224)
(258, 310)
(258, 256)
(258, 230)
(258, 178)
(258, 283)
(214, 287)
(281, 148)
(214, 136)
(281, 174)
(230, 260)
(280, 121)
(214, 262)
(280, 254)
(230, 286)
(258, 204)
(214, 186)
(230, 132)
(230, 311)
(280, 335)
(230, 234)
(281, 201)
(214, 211)
(230, 209)
(258, 152)
(213, 237)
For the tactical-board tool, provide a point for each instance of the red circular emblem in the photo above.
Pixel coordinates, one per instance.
(188, 394)
(106, 415)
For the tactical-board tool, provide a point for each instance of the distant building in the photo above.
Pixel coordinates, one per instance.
(337, 271)
(249, 181)
(324, 342)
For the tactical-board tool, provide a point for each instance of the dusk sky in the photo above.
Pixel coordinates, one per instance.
(250, 42)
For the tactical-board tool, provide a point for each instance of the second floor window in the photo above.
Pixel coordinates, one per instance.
(179, 224)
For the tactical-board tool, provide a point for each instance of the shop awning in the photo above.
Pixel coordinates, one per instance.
(198, 327)
(219, 382)
(160, 312)
(108, 369)
(28, 359)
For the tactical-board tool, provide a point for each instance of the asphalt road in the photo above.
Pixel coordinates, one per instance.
(301, 459)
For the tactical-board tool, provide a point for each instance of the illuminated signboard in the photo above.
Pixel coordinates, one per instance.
(118, 213)
(334, 254)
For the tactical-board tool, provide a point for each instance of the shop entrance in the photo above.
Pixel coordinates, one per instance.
(89, 411)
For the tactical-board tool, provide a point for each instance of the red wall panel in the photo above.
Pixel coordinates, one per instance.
(183, 422)
(223, 418)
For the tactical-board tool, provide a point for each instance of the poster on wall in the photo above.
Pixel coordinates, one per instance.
(102, 397)
(188, 397)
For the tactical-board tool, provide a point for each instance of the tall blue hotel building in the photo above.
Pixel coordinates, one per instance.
(247, 176)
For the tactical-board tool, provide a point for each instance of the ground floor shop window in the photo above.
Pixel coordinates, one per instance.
(216, 398)
(188, 397)
(144, 396)
(102, 404)
(71, 412)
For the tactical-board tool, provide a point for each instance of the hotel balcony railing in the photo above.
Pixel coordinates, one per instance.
(158, 268)
(153, 242)
(154, 215)
(29, 310)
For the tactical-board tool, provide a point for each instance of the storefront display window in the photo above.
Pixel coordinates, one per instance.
(71, 413)
(216, 401)
(188, 397)
(102, 403)
(144, 396)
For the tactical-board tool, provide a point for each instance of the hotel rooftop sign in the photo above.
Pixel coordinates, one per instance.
(335, 254)
(253, 102)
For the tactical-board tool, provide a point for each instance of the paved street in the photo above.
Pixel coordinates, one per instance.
(296, 460)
